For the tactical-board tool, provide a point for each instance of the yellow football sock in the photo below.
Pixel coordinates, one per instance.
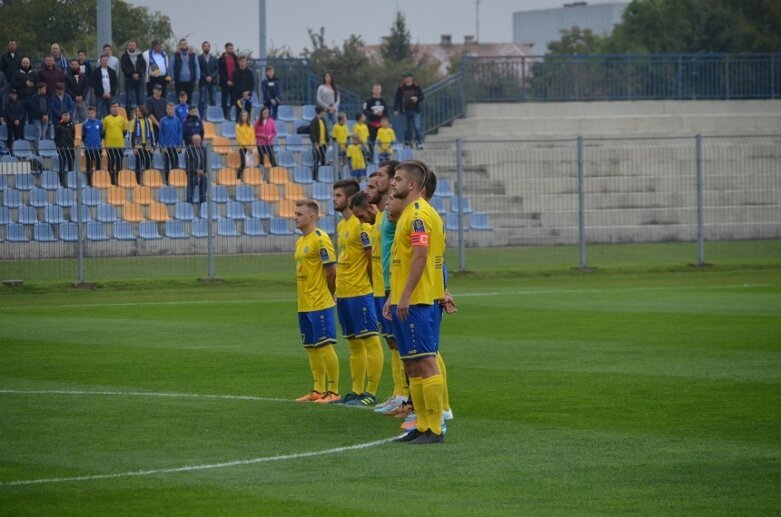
(432, 394)
(418, 400)
(318, 369)
(357, 364)
(375, 360)
(443, 373)
(400, 386)
(331, 362)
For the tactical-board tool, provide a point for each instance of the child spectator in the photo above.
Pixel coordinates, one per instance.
(362, 130)
(386, 137)
(15, 114)
(271, 91)
(64, 139)
(192, 125)
(183, 107)
(142, 139)
(356, 157)
(114, 127)
(59, 103)
(340, 134)
(245, 139)
(91, 136)
(265, 133)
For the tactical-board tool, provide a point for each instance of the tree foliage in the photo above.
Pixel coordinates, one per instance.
(397, 46)
(36, 24)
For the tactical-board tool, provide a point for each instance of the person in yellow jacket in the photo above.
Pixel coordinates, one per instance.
(114, 129)
(356, 158)
(245, 139)
(341, 133)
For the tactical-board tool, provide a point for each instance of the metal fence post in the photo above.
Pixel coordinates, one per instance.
(700, 231)
(209, 216)
(460, 194)
(79, 222)
(581, 206)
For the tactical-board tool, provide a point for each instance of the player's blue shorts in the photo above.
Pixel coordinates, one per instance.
(318, 328)
(385, 326)
(416, 335)
(357, 316)
(358, 173)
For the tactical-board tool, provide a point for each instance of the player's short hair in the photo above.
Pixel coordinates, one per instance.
(359, 200)
(391, 165)
(417, 170)
(349, 185)
(310, 204)
(374, 174)
(431, 184)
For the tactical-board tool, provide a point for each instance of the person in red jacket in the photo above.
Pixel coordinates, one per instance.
(265, 134)
(50, 74)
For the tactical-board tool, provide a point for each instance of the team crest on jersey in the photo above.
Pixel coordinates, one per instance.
(306, 249)
(323, 253)
(418, 226)
(365, 239)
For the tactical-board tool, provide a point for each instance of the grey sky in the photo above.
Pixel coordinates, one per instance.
(288, 20)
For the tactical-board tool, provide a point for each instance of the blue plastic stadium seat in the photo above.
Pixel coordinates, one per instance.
(279, 226)
(296, 144)
(370, 167)
(91, 196)
(175, 230)
(245, 194)
(235, 210)
(404, 154)
(53, 215)
(47, 148)
(464, 201)
(451, 223)
(148, 230)
(39, 198)
(65, 197)
(438, 205)
(286, 158)
(73, 177)
(260, 210)
(443, 188)
(302, 175)
(199, 228)
(107, 214)
(307, 112)
(27, 215)
(3, 179)
(12, 198)
(328, 224)
(220, 194)
(326, 174)
(85, 214)
(167, 195)
(50, 180)
(228, 129)
(96, 231)
(24, 181)
(214, 208)
(281, 129)
(227, 228)
(123, 231)
(31, 134)
(43, 232)
(184, 212)
(23, 149)
(215, 114)
(69, 232)
(307, 158)
(254, 228)
(479, 221)
(321, 191)
(16, 233)
(285, 113)
(5, 215)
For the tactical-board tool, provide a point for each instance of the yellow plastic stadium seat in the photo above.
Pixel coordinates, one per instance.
(77, 140)
(158, 212)
(234, 159)
(227, 177)
(142, 195)
(177, 178)
(116, 196)
(208, 131)
(131, 213)
(127, 178)
(294, 191)
(252, 176)
(279, 176)
(269, 193)
(287, 209)
(152, 178)
(221, 145)
(101, 179)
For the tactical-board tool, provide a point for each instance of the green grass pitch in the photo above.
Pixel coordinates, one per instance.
(650, 390)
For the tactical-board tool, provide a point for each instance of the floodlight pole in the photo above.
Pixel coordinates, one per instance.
(103, 15)
(261, 29)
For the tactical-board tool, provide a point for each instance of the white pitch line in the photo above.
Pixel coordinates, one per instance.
(187, 468)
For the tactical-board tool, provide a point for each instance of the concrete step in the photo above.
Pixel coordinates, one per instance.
(663, 216)
(532, 202)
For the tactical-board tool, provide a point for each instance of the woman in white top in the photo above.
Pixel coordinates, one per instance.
(328, 98)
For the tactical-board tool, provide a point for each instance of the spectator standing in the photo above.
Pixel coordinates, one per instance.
(356, 158)
(114, 129)
(171, 140)
(113, 62)
(91, 139)
(192, 125)
(227, 65)
(142, 140)
(133, 67)
(362, 131)
(245, 139)
(197, 167)
(65, 139)
(86, 66)
(243, 86)
(341, 133)
(38, 110)
(407, 102)
(15, 115)
(272, 91)
(156, 67)
(182, 108)
(375, 107)
(156, 108)
(5, 85)
(318, 135)
(60, 61)
(11, 61)
(186, 70)
(104, 84)
(328, 99)
(386, 136)
(207, 84)
(77, 86)
(60, 103)
(265, 134)
(24, 81)
(50, 74)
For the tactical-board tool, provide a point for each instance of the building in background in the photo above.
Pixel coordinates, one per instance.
(539, 27)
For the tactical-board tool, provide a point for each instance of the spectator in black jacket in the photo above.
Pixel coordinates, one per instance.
(271, 91)
(11, 61)
(318, 135)
(5, 85)
(38, 110)
(192, 125)
(77, 85)
(15, 115)
(65, 139)
(24, 82)
(133, 67)
(375, 107)
(407, 101)
(243, 86)
(227, 65)
(195, 160)
(104, 83)
(207, 85)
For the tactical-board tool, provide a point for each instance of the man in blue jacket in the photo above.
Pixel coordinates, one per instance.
(91, 138)
(170, 140)
(186, 70)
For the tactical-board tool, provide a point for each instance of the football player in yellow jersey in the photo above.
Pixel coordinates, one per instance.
(354, 301)
(410, 307)
(316, 288)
